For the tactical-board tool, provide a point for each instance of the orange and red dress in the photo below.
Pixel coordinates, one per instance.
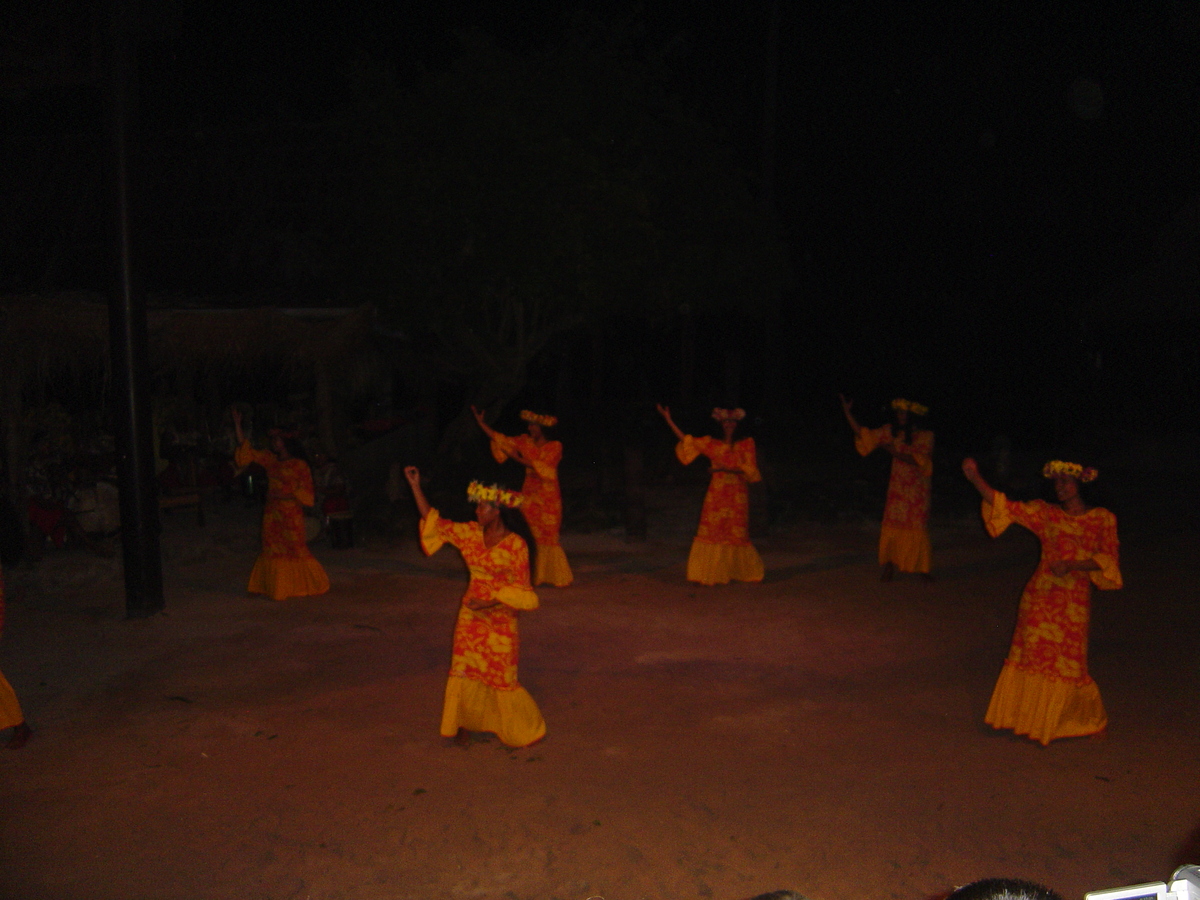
(543, 503)
(10, 709)
(285, 567)
(904, 538)
(1044, 690)
(482, 692)
(721, 551)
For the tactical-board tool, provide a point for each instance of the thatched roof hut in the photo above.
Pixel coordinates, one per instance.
(45, 335)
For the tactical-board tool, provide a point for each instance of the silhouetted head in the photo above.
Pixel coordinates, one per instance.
(1003, 889)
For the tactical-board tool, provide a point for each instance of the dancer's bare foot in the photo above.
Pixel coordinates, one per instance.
(20, 737)
(889, 572)
(463, 738)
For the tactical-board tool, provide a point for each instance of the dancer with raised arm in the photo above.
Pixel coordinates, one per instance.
(543, 500)
(482, 692)
(285, 567)
(1044, 690)
(721, 551)
(904, 538)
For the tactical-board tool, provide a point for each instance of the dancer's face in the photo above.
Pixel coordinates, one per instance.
(1066, 488)
(486, 513)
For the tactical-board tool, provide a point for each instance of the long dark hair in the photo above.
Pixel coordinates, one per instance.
(911, 426)
(514, 520)
(295, 449)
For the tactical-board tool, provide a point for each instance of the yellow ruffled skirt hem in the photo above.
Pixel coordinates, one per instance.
(283, 577)
(552, 567)
(10, 710)
(722, 563)
(1045, 708)
(512, 716)
(905, 548)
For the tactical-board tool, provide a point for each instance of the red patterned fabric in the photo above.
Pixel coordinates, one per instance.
(543, 500)
(1051, 636)
(725, 516)
(908, 493)
(486, 645)
(285, 567)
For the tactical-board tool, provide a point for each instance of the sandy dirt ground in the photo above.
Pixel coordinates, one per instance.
(821, 732)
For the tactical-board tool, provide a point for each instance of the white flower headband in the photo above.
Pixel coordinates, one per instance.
(477, 492)
(1074, 470)
(915, 408)
(544, 421)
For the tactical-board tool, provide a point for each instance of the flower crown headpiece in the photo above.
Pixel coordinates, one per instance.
(1074, 470)
(912, 406)
(538, 419)
(478, 492)
(729, 415)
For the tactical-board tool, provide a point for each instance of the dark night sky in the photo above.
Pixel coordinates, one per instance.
(949, 176)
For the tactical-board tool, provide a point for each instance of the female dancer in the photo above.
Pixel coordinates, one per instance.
(285, 567)
(722, 551)
(482, 693)
(1044, 690)
(10, 708)
(543, 501)
(904, 539)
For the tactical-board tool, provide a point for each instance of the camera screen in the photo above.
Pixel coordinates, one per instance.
(1138, 892)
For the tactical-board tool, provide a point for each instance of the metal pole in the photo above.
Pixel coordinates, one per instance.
(128, 349)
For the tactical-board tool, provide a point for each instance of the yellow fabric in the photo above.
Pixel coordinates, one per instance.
(1108, 576)
(741, 456)
(285, 567)
(482, 692)
(502, 448)
(512, 715)
(552, 567)
(907, 549)
(1001, 513)
(687, 450)
(281, 578)
(722, 563)
(1043, 708)
(516, 597)
(10, 709)
(904, 537)
(543, 503)
(431, 535)
(868, 439)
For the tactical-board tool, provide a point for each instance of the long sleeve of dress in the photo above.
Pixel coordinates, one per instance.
(436, 531)
(690, 447)
(1099, 541)
(501, 446)
(545, 458)
(1107, 556)
(867, 439)
(518, 593)
(747, 458)
(921, 450)
(294, 478)
(246, 454)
